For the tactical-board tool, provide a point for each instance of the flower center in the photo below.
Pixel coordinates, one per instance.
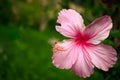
(81, 39)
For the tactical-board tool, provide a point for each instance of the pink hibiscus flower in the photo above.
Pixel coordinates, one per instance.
(84, 49)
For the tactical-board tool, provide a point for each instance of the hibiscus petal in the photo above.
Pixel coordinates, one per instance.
(71, 23)
(99, 29)
(83, 66)
(64, 54)
(103, 56)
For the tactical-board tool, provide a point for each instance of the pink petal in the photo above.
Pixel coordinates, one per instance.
(99, 29)
(103, 56)
(64, 55)
(83, 66)
(71, 23)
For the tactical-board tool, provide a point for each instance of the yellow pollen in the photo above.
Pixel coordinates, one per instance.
(58, 48)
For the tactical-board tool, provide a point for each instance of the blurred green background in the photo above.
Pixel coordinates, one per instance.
(27, 31)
